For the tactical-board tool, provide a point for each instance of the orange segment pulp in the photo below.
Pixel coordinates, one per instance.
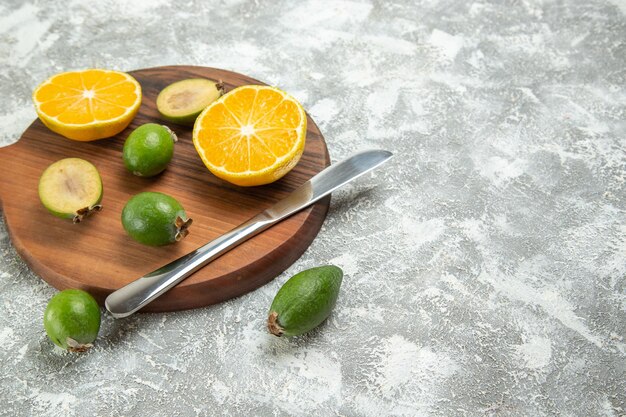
(88, 105)
(253, 135)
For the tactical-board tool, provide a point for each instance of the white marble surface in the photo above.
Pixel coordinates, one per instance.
(485, 266)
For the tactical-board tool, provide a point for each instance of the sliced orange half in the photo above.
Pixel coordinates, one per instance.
(252, 135)
(88, 105)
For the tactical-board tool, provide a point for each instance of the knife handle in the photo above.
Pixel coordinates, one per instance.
(135, 295)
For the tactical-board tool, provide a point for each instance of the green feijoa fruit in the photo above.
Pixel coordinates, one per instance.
(155, 219)
(182, 101)
(304, 301)
(71, 188)
(148, 149)
(72, 320)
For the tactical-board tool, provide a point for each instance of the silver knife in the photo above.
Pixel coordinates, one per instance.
(137, 294)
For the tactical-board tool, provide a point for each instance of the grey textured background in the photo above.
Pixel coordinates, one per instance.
(485, 265)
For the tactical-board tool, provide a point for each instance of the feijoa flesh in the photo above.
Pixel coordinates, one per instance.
(72, 320)
(155, 219)
(71, 188)
(148, 149)
(305, 301)
(181, 102)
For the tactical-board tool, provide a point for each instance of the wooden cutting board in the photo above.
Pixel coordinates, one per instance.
(99, 257)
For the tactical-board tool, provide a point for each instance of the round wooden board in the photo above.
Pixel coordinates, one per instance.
(99, 257)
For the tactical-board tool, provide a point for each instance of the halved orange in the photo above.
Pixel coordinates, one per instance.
(252, 135)
(88, 105)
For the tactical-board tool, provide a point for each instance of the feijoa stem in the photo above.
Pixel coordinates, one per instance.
(273, 326)
(74, 346)
(86, 211)
(172, 134)
(182, 227)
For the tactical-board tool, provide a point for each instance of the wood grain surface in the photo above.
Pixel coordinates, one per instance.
(99, 257)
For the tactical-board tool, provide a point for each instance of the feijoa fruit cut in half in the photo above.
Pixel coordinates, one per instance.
(181, 102)
(71, 188)
(304, 301)
(155, 219)
(72, 320)
(148, 149)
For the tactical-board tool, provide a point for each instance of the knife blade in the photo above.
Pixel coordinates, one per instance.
(137, 294)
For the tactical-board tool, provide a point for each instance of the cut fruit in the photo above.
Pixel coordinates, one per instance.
(88, 105)
(71, 188)
(182, 101)
(253, 135)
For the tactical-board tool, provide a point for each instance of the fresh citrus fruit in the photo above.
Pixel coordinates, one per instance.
(252, 135)
(148, 149)
(88, 105)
